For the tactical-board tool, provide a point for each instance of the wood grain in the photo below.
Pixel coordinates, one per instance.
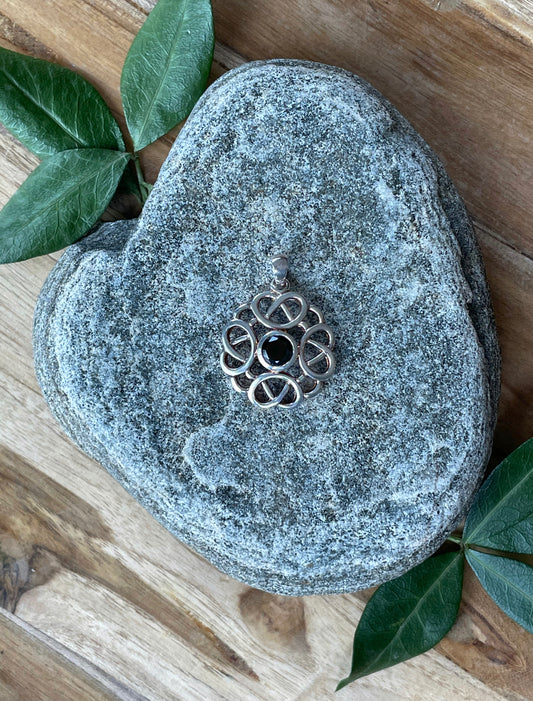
(510, 277)
(85, 564)
(35, 666)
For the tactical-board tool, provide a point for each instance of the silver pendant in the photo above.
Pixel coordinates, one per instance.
(277, 348)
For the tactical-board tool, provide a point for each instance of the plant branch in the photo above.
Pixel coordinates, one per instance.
(455, 538)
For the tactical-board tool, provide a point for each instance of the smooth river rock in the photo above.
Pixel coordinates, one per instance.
(359, 483)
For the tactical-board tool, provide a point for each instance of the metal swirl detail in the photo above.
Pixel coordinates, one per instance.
(324, 352)
(261, 394)
(279, 303)
(231, 348)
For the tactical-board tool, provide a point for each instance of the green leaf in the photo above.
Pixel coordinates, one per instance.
(167, 68)
(508, 582)
(501, 516)
(408, 615)
(59, 202)
(50, 108)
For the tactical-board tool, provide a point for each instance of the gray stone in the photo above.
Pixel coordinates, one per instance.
(358, 484)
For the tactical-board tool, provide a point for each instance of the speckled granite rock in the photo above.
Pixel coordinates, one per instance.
(358, 484)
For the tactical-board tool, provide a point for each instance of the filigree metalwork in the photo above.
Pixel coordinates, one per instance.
(278, 349)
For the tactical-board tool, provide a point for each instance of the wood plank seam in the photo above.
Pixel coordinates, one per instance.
(84, 667)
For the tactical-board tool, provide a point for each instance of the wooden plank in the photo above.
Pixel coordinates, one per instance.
(124, 594)
(510, 277)
(35, 666)
(513, 17)
(291, 647)
(107, 581)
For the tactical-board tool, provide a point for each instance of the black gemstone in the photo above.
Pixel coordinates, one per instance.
(277, 350)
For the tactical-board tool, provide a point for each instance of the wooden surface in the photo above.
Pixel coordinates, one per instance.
(107, 604)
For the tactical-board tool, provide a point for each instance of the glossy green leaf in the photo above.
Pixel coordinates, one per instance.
(408, 615)
(59, 202)
(50, 108)
(501, 516)
(167, 68)
(508, 582)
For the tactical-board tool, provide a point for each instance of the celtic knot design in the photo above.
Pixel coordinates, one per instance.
(277, 348)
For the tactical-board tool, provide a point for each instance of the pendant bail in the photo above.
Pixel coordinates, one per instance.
(280, 267)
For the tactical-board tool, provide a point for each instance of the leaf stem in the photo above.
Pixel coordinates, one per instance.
(144, 187)
(455, 539)
(521, 557)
